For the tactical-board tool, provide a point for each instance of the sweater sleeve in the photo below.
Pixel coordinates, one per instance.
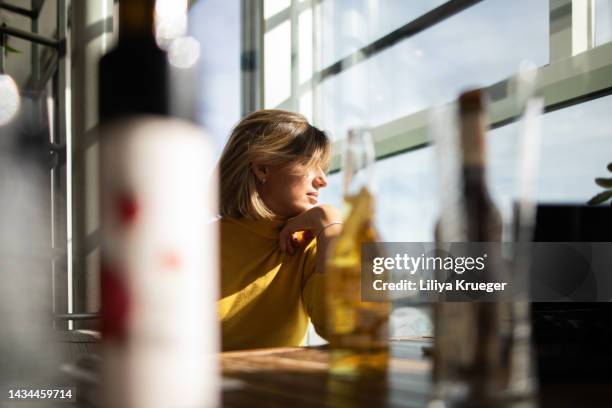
(313, 290)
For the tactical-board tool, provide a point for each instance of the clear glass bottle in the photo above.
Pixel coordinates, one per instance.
(358, 331)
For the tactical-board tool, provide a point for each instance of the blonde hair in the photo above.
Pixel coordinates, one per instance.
(271, 137)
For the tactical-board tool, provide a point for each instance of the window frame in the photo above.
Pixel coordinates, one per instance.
(572, 47)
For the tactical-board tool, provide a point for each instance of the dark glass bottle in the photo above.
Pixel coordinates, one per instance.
(483, 220)
(467, 349)
(159, 251)
(134, 75)
(483, 224)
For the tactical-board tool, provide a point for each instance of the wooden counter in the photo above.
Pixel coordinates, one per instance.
(297, 377)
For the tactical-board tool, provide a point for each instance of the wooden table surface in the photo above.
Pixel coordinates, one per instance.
(297, 377)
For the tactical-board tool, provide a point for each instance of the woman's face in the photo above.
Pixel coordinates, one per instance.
(290, 189)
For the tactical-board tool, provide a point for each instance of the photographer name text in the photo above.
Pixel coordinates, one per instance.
(432, 285)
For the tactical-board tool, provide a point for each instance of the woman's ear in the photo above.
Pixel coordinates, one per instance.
(260, 171)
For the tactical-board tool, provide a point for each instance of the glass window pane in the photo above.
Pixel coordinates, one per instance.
(478, 47)
(406, 196)
(351, 24)
(576, 148)
(332, 194)
(272, 7)
(306, 105)
(305, 45)
(277, 65)
(214, 23)
(603, 21)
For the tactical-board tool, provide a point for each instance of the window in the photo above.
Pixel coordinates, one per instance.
(477, 47)
(603, 21)
(348, 25)
(214, 23)
(366, 72)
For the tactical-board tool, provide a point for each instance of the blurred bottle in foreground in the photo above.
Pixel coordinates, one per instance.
(473, 341)
(159, 273)
(466, 348)
(358, 331)
(29, 351)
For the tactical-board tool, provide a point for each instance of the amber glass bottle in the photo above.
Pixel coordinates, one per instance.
(358, 330)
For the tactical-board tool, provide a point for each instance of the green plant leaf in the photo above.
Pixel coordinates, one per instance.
(604, 182)
(609, 166)
(16, 51)
(600, 198)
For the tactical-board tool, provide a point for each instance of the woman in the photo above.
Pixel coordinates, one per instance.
(271, 171)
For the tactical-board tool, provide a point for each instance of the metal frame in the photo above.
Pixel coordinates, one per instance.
(251, 64)
(59, 138)
(63, 137)
(2, 45)
(32, 13)
(31, 37)
(76, 316)
(295, 56)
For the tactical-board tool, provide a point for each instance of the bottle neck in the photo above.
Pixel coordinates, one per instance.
(473, 146)
(133, 77)
(473, 138)
(474, 153)
(136, 20)
(358, 162)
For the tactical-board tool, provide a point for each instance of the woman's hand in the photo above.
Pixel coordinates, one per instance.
(311, 221)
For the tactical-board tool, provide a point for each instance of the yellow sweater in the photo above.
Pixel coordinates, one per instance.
(267, 296)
